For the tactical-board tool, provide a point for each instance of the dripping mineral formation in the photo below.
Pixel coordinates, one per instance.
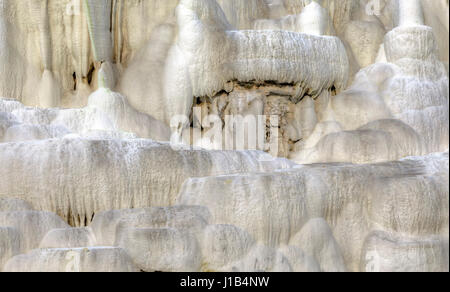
(224, 135)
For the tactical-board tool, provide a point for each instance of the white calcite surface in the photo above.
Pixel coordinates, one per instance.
(120, 123)
(93, 259)
(68, 238)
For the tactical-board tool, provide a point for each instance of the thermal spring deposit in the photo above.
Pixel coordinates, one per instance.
(224, 135)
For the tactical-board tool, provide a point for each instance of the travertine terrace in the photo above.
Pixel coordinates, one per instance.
(224, 135)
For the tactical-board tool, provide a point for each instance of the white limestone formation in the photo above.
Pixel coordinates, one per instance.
(68, 238)
(10, 244)
(129, 173)
(224, 135)
(31, 225)
(95, 259)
